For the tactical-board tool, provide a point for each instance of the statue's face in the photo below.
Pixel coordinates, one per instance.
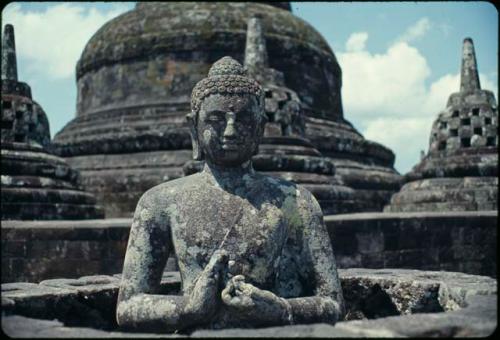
(229, 128)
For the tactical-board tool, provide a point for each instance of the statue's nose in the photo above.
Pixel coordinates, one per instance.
(230, 131)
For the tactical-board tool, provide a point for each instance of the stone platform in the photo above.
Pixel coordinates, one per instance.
(379, 303)
(454, 241)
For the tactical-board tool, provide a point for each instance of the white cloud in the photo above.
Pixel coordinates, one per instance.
(446, 29)
(416, 31)
(389, 82)
(52, 40)
(386, 96)
(356, 42)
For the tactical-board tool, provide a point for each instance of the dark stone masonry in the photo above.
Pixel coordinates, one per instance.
(134, 83)
(464, 242)
(452, 241)
(36, 184)
(33, 251)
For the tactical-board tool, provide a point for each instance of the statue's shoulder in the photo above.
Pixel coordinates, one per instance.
(168, 192)
(299, 195)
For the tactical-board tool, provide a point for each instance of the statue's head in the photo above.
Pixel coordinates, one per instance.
(227, 115)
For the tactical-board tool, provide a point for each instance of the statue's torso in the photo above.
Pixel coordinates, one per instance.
(249, 222)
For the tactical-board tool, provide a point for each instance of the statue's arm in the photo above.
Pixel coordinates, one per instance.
(316, 263)
(139, 304)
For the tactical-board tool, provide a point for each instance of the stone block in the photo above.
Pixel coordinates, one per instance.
(38, 249)
(472, 267)
(410, 237)
(372, 260)
(16, 234)
(445, 254)
(372, 242)
(111, 266)
(411, 258)
(115, 249)
(391, 259)
(469, 252)
(119, 234)
(391, 242)
(443, 236)
(350, 261)
(430, 258)
(345, 243)
(14, 248)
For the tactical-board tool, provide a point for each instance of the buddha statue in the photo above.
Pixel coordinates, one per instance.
(252, 250)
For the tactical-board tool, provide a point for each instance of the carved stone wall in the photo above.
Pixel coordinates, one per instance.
(464, 242)
(453, 241)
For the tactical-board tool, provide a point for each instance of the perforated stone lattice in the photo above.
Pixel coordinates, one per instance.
(23, 121)
(465, 127)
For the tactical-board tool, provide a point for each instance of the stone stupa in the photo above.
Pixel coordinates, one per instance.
(134, 81)
(285, 151)
(36, 185)
(460, 170)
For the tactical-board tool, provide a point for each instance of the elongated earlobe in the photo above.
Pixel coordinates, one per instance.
(197, 152)
(260, 132)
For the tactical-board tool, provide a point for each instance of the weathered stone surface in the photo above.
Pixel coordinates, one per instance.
(37, 250)
(153, 55)
(298, 331)
(22, 327)
(36, 185)
(252, 250)
(460, 170)
(455, 241)
(463, 241)
(284, 147)
(468, 301)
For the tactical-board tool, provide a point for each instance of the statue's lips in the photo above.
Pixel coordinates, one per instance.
(231, 146)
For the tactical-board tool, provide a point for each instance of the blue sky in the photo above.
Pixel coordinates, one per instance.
(400, 60)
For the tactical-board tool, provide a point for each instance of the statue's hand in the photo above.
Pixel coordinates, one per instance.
(254, 304)
(203, 300)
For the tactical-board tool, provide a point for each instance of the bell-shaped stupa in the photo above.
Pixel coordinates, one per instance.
(36, 185)
(285, 151)
(459, 172)
(135, 78)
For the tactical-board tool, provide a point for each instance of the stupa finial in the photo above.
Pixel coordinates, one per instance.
(255, 50)
(469, 77)
(9, 63)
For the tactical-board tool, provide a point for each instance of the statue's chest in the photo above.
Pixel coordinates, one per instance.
(252, 234)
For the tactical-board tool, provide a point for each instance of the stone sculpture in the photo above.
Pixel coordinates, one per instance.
(252, 250)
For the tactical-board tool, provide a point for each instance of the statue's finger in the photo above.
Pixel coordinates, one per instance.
(226, 295)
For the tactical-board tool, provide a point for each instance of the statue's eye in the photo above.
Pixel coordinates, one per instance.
(215, 117)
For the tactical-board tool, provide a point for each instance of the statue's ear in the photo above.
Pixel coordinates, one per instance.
(192, 123)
